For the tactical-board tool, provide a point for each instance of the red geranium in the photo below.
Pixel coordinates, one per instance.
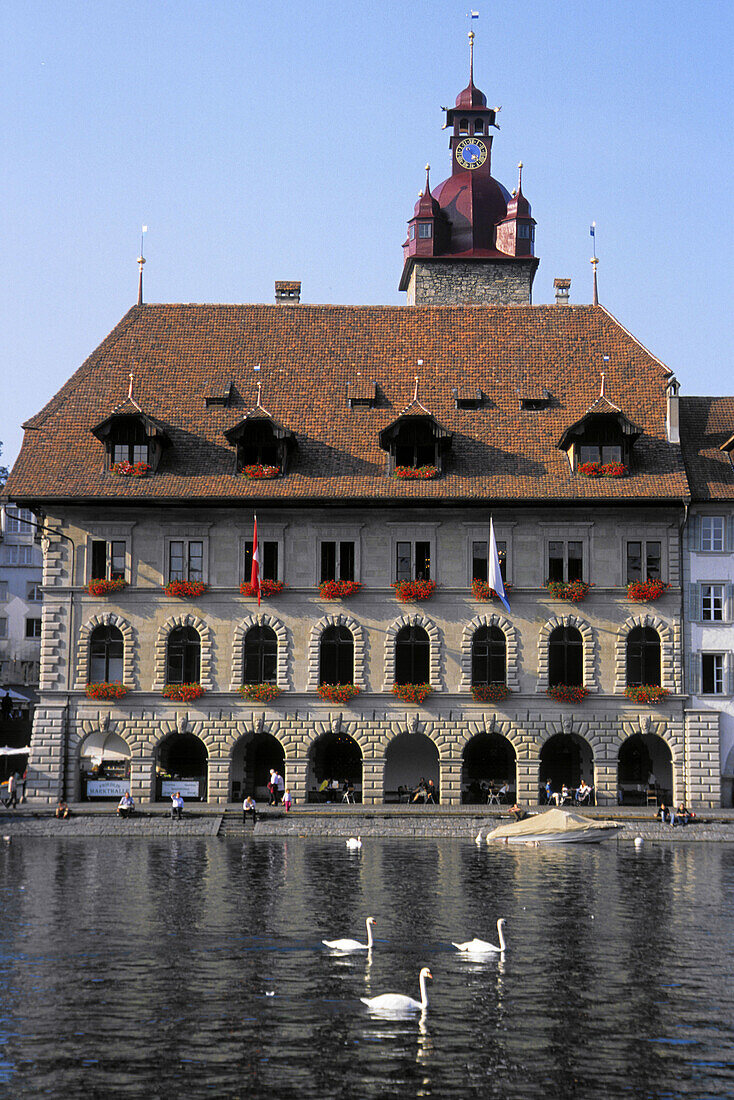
(183, 693)
(338, 693)
(482, 591)
(568, 693)
(260, 693)
(100, 586)
(185, 590)
(267, 588)
(568, 590)
(413, 590)
(646, 693)
(412, 693)
(338, 590)
(490, 693)
(646, 590)
(131, 469)
(261, 472)
(106, 691)
(415, 473)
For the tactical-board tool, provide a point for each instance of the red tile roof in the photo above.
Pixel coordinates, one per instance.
(705, 424)
(308, 355)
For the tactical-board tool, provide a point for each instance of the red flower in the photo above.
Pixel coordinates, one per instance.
(490, 693)
(568, 590)
(590, 469)
(102, 587)
(260, 693)
(415, 473)
(338, 590)
(267, 588)
(106, 691)
(185, 590)
(614, 469)
(131, 469)
(183, 693)
(568, 693)
(646, 590)
(412, 693)
(413, 590)
(338, 693)
(262, 472)
(646, 693)
(482, 591)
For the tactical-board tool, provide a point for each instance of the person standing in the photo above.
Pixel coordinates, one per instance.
(177, 804)
(6, 706)
(12, 790)
(273, 789)
(248, 807)
(287, 800)
(279, 787)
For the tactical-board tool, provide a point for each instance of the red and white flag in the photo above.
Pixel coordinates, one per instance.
(255, 574)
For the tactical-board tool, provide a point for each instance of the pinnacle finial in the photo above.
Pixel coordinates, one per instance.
(471, 57)
(428, 185)
(519, 177)
(594, 261)
(130, 387)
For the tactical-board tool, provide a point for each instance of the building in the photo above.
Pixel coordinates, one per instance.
(373, 443)
(21, 567)
(707, 435)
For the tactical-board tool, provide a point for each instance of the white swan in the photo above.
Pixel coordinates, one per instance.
(396, 1002)
(354, 842)
(481, 947)
(353, 945)
(478, 837)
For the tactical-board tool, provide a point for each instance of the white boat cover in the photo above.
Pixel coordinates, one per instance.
(551, 822)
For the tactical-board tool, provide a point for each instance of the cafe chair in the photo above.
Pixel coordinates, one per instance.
(651, 797)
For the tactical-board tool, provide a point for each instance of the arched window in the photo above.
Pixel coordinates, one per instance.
(106, 648)
(643, 656)
(479, 126)
(464, 126)
(566, 657)
(183, 657)
(412, 656)
(261, 655)
(488, 656)
(336, 664)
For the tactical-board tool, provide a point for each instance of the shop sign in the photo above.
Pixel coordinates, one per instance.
(187, 788)
(107, 788)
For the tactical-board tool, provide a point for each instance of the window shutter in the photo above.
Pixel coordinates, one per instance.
(729, 682)
(693, 670)
(694, 602)
(728, 603)
(730, 533)
(695, 529)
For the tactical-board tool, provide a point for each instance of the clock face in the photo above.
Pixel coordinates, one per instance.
(471, 153)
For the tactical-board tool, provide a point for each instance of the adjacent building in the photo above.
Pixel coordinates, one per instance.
(21, 596)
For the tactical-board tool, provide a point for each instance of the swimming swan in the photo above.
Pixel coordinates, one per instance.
(396, 1002)
(478, 947)
(478, 837)
(353, 945)
(354, 842)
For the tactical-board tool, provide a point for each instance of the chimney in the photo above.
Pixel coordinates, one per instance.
(672, 421)
(563, 289)
(287, 293)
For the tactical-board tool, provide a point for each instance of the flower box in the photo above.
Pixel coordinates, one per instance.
(568, 693)
(185, 590)
(575, 591)
(415, 473)
(106, 691)
(482, 591)
(130, 469)
(183, 693)
(100, 586)
(412, 693)
(646, 693)
(261, 473)
(338, 693)
(605, 469)
(640, 591)
(413, 590)
(260, 693)
(338, 590)
(267, 588)
(490, 693)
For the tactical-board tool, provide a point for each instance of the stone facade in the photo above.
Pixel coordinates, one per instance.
(472, 282)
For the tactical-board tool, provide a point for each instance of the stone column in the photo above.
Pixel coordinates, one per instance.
(373, 780)
(46, 758)
(703, 778)
(528, 773)
(605, 782)
(450, 781)
(217, 788)
(142, 778)
(296, 778)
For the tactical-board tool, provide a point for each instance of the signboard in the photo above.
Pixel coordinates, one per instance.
(107, 788)
(187, 788)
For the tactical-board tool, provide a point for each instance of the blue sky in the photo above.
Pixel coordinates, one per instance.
(261, 141)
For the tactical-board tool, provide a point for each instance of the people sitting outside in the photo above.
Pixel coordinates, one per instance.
(665, 814)
(348, 791)
(565, 795)
(583, 793)
(431, 792)
(504, 791)
(518, 813)
(177, 804)
(62, 810)
(420, 793)
(683, 816)
(126, 806)
(248, 807)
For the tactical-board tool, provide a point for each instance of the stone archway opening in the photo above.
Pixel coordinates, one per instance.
(104, 767)
(336, 760)
(489, 764)
(644, 763)
(181, 765)
(252, 759)
(410, 757)
(566, 758)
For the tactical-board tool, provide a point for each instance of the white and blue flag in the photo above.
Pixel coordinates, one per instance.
(494, 577)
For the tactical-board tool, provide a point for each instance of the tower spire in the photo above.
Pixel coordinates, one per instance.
(471, 57)
(141, 261)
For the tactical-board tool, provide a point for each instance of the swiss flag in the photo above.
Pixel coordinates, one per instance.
(255, 574)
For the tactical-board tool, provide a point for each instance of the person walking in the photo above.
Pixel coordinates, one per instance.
(248, 807)
(287, 800)
(273, 789)
(12, 790)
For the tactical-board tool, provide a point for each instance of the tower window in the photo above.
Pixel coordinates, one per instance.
(479, 126)
(425, 229)
(411, 233)
(464, 126)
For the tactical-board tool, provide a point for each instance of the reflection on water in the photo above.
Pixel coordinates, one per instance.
(128, 967)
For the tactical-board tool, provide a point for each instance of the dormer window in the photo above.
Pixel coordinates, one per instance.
(415, 441)
(601, 436)
(261, 441)
(411, 232)
(362, 394)
(130, 443)
(467, 397)
(132, 439)
(425, 229)
(593, 452)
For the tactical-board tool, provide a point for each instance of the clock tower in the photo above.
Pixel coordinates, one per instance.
(470, 242)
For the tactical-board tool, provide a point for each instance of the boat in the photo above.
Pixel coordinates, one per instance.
(555, 827)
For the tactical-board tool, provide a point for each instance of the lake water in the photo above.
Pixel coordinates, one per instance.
(146, 968)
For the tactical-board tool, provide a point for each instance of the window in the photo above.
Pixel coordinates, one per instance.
(525, 232)
(35, 592)
(712, 533)
(18, 555)
(592, 452)
(106, 648)
(464, 126)
(337, 561)
(411, 232)
(3, 591)
(33, 628)
(268, 561)
(260, 446)
(336, 663)
(565, 562)
(412, 656)
(643, 656)
(712, 603)
(415, 445)
(425, 229)
(108, 560)
(186, 561)
(712, 673)
(488, 656)
(644, 560)
(183, 656)
(129, 442)
(479, 560)
(479, 126)
(18, 521)
(3, 628)
(261, 655)
(565, 657)
(413, 561)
